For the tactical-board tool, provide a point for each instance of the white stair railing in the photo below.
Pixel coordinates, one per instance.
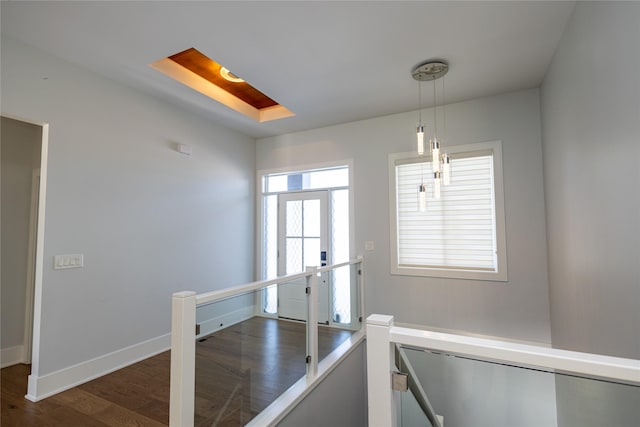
(383, 335)
(183, 341)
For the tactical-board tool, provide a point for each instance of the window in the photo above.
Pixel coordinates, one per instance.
(461, 234)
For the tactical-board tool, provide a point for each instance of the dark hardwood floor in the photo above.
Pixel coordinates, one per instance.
(239, 371)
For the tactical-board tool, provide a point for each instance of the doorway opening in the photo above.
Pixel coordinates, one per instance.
(24, 170)
(305, 220)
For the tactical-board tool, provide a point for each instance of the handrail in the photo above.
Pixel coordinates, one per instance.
(341, 264)
(382, 335)
(585, 364)
(403, 363)
(221, 294)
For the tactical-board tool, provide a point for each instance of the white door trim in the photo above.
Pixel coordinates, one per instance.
(39, 252)
(31, 267)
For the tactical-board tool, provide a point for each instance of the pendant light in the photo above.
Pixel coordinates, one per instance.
(422, 197)
(420, 128)
(446, 169)
(431, 71)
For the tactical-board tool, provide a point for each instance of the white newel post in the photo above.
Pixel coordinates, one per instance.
(382, 406)
(312, 322)
(183, 362)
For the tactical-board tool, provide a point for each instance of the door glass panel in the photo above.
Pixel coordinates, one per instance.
(341, 281)
(311, 252)
(294, 218)
(270, 303)
(329, 178)
(270, 238)
(311, 219)
(340, 226)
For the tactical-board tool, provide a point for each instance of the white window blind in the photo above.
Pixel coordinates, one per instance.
(458, 231)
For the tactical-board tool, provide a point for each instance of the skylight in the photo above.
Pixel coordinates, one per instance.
(201, 73)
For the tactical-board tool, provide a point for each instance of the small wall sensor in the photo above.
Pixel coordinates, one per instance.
(184, 149)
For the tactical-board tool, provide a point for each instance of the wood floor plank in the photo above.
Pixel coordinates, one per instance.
(240, 370)
(81, 401)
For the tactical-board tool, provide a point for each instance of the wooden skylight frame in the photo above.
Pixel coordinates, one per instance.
(201, 73)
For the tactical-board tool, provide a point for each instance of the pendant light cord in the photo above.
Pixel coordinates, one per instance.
(419, 102)
(444, 113)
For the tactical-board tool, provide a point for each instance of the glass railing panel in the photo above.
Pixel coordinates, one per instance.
(591, 403)
(410, 412)
(288, 350)
(338, 307)
(245, 358)
(415, 390)
(222, 373)
(470, 392)
(343, 292)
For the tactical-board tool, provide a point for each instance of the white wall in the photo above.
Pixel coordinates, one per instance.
(591, 139)
(517, 309)
(149, 220)
(20, 156)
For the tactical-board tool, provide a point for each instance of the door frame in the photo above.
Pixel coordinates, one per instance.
(259, 194)
(31, 267)
(260, 207)
(38, 262)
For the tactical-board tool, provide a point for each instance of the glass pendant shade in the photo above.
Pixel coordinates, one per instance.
(436, 185)
(446, 169)
(435, 152)
(420, 136)
(422, 197)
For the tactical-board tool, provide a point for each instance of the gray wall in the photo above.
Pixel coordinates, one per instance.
(339, 400)
(149, 220)
(516, 309)
(591, 140)
(20, 144)
(591, 144)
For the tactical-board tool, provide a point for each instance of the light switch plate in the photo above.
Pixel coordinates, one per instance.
(68, 261)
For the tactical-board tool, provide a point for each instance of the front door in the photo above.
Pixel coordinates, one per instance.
(302, 243)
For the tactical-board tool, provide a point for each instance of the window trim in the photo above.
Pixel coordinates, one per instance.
(501, 247)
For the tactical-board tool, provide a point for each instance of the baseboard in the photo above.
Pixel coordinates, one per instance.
(47, 385)
(11, 356)
(207, 327)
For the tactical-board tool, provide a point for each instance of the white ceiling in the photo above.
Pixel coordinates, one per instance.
(329, 62)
